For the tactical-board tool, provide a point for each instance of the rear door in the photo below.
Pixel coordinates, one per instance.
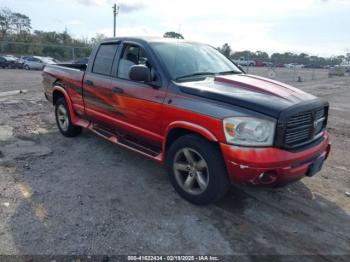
(97, 92)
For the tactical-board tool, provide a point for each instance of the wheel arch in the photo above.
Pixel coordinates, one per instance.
(181, 128)
(58, 91)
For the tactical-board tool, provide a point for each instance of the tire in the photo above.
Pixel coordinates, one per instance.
(26, 67)
(188, 180)
(63, 119)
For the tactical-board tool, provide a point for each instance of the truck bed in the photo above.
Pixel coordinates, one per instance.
(81, 67)
(70, 77)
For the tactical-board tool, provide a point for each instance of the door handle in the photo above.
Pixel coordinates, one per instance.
(118, 90)
(89, 82)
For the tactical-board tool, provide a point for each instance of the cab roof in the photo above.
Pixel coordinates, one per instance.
(147, 39)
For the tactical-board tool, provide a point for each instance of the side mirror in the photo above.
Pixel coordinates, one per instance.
(140, 73)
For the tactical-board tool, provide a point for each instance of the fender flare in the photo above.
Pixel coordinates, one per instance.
(60, 89)
(189, 126)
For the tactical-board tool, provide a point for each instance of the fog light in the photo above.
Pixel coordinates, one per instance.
(268, 177)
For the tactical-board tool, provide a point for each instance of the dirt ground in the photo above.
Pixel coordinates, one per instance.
(87, 196)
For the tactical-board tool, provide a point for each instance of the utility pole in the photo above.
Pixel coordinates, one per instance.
(115, 13)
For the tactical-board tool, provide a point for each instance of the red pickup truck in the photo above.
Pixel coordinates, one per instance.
(186, 105)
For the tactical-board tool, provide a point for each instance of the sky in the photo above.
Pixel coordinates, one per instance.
(317, 27)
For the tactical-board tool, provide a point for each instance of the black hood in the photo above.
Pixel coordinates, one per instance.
(262, 95)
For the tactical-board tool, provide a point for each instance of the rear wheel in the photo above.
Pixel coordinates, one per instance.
(63, 119)
(197, 170)
(26, 67)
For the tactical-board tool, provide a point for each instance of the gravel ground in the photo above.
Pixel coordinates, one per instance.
(88, 196)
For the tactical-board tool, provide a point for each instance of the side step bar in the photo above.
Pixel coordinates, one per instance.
(127, 143)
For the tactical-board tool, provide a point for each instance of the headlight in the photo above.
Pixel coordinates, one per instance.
(249, 131)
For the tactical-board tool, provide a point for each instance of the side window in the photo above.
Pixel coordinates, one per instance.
(104, 59)
(132, 55)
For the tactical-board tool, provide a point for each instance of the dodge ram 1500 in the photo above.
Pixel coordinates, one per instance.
(186, 105)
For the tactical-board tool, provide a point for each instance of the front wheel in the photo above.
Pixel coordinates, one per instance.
(64, 121)
(197, 170)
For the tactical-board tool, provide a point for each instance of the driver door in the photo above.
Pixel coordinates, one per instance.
(140, 104)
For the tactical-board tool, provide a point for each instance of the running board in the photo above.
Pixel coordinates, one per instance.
(127, 143)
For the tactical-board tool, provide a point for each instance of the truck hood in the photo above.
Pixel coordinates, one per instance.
(249, 91)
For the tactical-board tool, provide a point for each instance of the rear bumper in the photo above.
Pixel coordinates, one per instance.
(270, 166)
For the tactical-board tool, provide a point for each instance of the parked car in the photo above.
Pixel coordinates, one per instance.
(22, 59)
(243, 62)
(294, 65)
(3, 62)
(268, 64)
(259, 63)
(37, 62)
(313, 66)
(279, 65)
(11, 57)
(346, 65)
(336, 71)
(211, 124)
(9, 61)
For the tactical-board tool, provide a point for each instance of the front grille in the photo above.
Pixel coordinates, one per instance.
(302, 128)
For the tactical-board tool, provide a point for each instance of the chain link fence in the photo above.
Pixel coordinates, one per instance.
(66, 53)
(290, 75)
(59, 52)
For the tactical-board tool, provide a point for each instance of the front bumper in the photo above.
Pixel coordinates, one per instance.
(271, 166)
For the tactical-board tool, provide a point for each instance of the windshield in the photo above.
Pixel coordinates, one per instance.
(10, 58)
(186, 60)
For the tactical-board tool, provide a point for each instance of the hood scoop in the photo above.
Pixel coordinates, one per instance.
(239, 84)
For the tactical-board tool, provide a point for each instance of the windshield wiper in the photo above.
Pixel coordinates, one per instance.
(229, 72)
(195, 74)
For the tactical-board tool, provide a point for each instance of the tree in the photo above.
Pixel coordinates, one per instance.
(248, 55)
(98, 38)
(225, 50)
(5, 22)
(21, 24)
(173, 35)
(260, 55)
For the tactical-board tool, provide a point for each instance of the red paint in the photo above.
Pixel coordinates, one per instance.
(264, 86)
(146, 115)
(245, 165)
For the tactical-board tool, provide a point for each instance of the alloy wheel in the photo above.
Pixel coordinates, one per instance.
(62, 117)
(191, 171)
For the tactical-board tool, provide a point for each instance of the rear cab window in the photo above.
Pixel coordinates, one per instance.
(104, 59)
